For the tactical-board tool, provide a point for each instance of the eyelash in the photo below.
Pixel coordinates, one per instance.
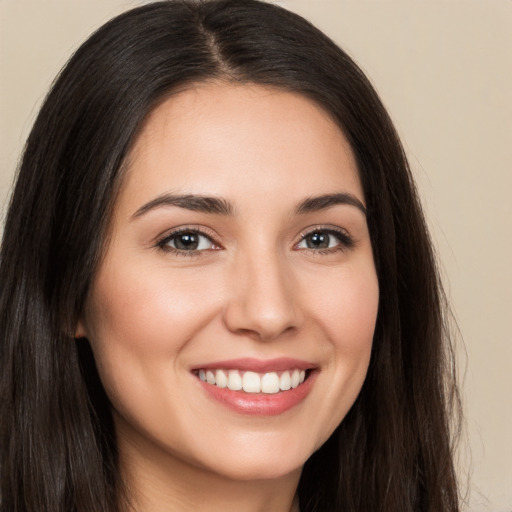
(346, 242)
(162, 244)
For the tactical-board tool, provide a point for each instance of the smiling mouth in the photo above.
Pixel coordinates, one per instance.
(252, 382)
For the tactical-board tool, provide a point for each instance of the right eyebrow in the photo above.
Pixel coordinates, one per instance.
(205, 204)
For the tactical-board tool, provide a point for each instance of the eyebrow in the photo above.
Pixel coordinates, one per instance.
(195, 203)
(314, 204)
(220, 206)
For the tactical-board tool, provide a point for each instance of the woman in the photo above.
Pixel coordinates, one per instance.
(218, 291)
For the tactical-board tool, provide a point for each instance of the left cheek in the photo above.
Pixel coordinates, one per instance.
(347, 307)
(346, 310)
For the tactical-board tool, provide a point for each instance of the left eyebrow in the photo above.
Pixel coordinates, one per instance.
(314, 204)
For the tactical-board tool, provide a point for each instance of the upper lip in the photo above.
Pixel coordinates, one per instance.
(258, 365)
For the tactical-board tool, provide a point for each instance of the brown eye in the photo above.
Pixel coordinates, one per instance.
(187, 241)
(318, 240)
(325, 239)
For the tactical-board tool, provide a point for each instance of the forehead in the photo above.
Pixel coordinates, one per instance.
(234, 140)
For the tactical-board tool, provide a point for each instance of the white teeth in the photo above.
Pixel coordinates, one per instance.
(221, 379)
(252, 382)
(285, 382)
(270, 383)
(295, 378)
(234, 380)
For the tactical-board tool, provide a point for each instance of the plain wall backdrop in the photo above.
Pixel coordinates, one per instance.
(444, 71)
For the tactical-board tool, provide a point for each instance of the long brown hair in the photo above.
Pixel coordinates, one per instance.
(393, 451)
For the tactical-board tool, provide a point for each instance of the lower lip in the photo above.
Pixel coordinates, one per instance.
(260, 404)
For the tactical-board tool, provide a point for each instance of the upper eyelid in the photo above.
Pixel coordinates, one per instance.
(201, 230)
(169, 234)
(214, 237)
(327, 228)
(345, 238)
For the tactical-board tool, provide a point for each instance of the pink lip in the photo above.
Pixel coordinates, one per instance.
(260, 404)
(248, 364)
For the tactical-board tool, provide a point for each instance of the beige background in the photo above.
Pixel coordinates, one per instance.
(444, 70)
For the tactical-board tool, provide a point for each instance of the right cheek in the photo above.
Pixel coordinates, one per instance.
(155, 316)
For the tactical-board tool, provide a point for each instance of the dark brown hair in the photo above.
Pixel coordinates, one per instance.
(393, 451)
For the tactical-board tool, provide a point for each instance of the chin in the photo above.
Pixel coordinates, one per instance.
(261, 470)
(261, 461)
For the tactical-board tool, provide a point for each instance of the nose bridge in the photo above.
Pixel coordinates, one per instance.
(262, 301)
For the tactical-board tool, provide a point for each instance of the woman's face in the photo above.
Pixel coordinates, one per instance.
(239, 254)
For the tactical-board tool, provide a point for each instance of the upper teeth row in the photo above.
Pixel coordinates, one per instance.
(252, 382)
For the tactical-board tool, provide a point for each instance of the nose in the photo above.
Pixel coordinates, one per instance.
(262, 300)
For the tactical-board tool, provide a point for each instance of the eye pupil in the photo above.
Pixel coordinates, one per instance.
(317, 240)
(186, 241)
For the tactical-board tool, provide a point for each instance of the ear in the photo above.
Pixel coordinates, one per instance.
(80, 331)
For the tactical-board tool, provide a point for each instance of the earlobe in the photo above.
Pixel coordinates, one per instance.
(80, 331)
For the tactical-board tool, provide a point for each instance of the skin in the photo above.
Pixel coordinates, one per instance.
(256, 290)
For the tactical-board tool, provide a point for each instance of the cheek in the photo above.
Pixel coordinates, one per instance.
(345, 308)
(353, 315)
(139, 320)
(346, 305)
(146, 309)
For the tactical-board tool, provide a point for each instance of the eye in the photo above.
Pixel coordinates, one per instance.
(325, 239)
(187, 241)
